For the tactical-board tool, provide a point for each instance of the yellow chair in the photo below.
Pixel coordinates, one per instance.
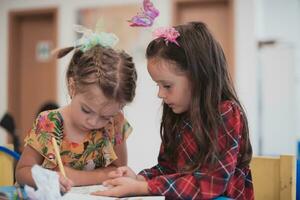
(6, 168)
(274, 178)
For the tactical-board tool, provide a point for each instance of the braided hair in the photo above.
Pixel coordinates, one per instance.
(113, 71)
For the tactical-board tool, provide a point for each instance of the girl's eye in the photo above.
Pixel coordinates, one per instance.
(105, 119)
(167, 86)
(85, 110)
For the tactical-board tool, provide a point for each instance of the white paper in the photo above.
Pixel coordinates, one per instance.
(83, 193)
(87, 189)
(47, 184)
(74, 196)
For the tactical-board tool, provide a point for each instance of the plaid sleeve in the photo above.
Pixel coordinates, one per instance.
(205, 184)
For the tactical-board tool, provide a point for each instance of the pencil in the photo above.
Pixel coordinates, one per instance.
(19, 191)
(58, 158)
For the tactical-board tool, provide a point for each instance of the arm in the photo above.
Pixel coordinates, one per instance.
(36, 152)
(28, 158)
(97, 176)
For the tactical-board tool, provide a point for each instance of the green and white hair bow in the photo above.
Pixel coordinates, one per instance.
(89, 38)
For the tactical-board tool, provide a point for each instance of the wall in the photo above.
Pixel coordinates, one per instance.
(280, 72)
(246, 62)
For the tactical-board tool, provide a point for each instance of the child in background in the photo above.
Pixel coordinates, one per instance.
(205, 151)
(91, 131)
(8, 124)
(48, 105)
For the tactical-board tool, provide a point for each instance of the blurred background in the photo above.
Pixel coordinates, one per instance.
(260, 39)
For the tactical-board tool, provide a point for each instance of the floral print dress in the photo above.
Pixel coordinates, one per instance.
(94, 152)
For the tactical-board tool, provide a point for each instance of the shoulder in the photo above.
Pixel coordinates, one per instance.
(229, 108)
(120, 123)
(49, 114)
(47, 125)
(48, 120)
(232, 115)
(119, 117)
(121, 129)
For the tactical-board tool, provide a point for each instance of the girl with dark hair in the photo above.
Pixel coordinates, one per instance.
(205, 151)
(91, 131)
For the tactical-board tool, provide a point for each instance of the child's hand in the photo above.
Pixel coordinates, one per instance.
(124, 186)
(65, 183)
(122, 171)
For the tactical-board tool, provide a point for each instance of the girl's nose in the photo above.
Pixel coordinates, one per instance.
(161, 94)
(92, 121)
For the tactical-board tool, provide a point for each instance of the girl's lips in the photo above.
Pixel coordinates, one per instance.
(171, 105)
(86, 129)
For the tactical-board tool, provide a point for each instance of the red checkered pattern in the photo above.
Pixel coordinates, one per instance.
(228, 179)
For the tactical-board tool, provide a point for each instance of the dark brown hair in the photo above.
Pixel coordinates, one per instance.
(113, 71)
(202, 59)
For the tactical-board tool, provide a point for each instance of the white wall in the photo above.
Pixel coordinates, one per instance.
(246, 62)
(278, 108)
(280, 71)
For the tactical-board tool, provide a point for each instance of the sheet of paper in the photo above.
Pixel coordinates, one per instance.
(75, 196)
(83, 193)
(87, 189)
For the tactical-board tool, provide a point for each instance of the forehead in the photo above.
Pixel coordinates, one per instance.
(95, 99)
(160, 68)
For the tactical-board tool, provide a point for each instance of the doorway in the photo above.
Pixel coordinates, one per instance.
(217, 14)
(32, 75)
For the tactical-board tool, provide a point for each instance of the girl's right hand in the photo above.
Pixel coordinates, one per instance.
(122, 171)
(65, 184)
(124, 186)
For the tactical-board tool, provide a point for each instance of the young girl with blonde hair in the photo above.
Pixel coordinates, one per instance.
(91, 131)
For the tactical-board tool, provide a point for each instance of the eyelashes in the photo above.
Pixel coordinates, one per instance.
(164, 86)
(85, 111)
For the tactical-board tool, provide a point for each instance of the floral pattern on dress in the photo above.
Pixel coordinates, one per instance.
(94, 152)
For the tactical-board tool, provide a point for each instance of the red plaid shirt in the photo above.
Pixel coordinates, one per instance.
(228, 179)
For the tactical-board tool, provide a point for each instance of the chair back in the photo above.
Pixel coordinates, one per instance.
(7, 158)
(274, 178)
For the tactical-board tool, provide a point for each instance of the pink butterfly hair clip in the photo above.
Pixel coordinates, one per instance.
(146, 17)
(170, 34)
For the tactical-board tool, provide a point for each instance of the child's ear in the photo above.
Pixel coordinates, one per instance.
(71, 87)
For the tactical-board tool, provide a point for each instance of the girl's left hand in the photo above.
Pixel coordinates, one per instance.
(124, 186)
